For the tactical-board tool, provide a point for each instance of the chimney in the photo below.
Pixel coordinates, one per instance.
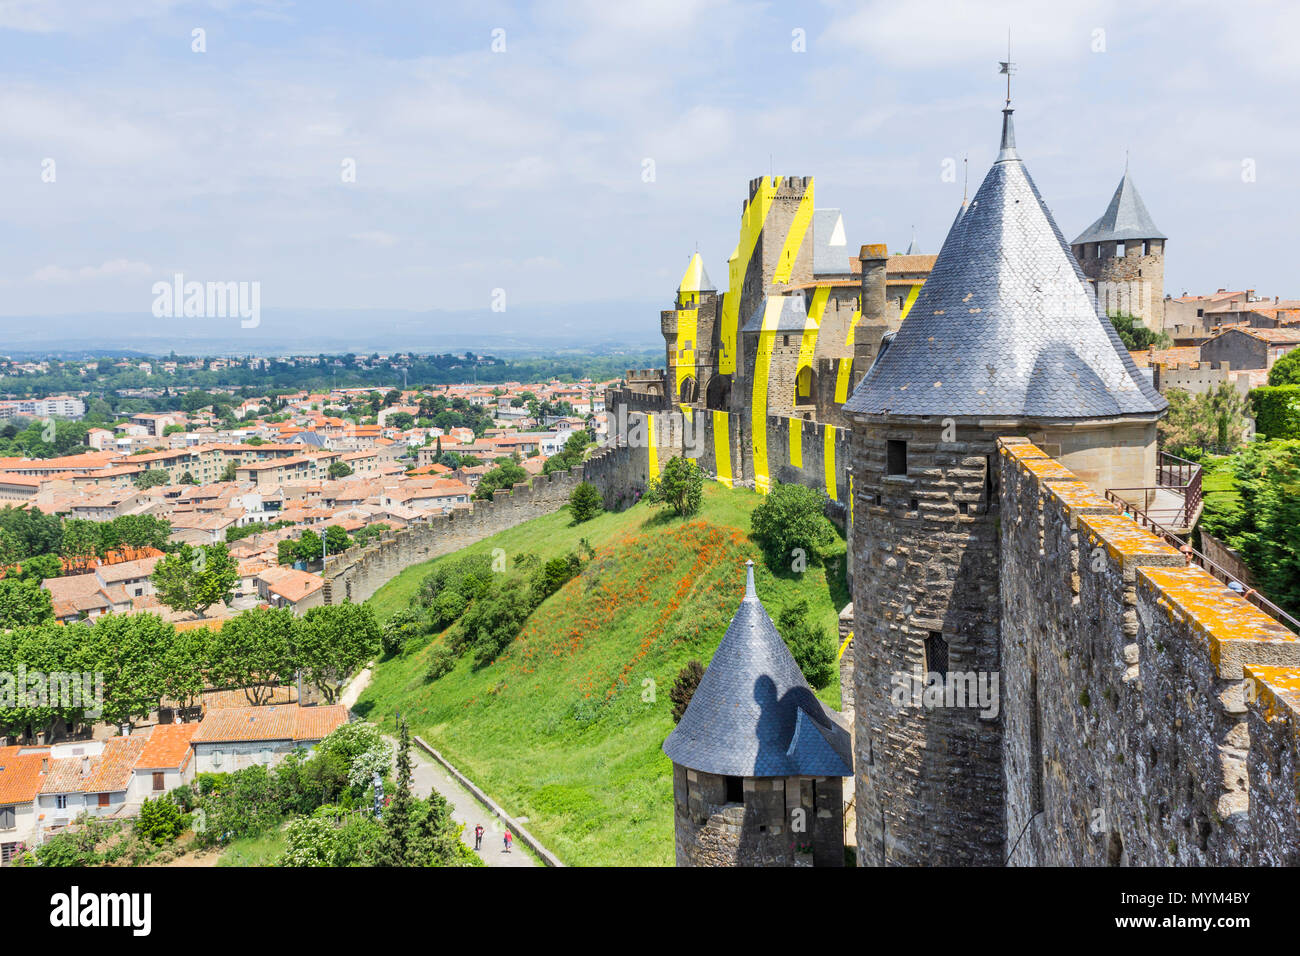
(873, 259)
(85, 766)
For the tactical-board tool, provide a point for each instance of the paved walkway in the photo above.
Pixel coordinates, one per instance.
(427, 774)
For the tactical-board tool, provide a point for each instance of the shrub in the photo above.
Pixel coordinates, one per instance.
(160, 821)
(1277, 410)
(811, 645)
(688, 678)
(680, 486)
(585, 502)
(441, 663)
(553, 575)
(792, 519)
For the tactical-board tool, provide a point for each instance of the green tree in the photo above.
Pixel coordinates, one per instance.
(332, 641)
(680, 486)
(811, 645)
(1286, 370)
(396, 845)
(195, 577)
(1136, 336)
(1212, 422)
(23, 603)
(791, 526)
(339, 469)
(585, 502)
(159, 821)
(128, 649)
(183, 664)
(151, 478)
(41, 567)
(505, 475)
(336, 539)
(254, 651)
(80, 539)
(308, 548)
(1265, 528)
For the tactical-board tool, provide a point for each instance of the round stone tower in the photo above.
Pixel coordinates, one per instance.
(1004, 339)
(758, 760)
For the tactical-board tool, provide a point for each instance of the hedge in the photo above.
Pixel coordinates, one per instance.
(1277, 410)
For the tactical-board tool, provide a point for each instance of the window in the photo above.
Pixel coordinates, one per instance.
(103, 800)
(895, 457)
(158, 780)
(61, 802)
(936, 654)
(735, 789)
(8, 818)
(7, 852)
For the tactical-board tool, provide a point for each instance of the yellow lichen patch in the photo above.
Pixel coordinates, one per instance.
(1277, 689)
(1123, 540)
(1047, 469)
(1020, 448)
(1077, 497)
(1226, 620)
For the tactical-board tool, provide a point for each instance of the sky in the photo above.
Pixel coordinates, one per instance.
(587, 156)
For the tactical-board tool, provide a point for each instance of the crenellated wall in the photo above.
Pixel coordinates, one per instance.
(356, 574)
(1150, 715)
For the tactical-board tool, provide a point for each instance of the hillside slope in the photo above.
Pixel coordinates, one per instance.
(565, 727)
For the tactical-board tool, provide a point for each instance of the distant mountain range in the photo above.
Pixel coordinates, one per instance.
(591, 327)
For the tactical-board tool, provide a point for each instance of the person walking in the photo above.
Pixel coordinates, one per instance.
(478, 837)
(508, 838)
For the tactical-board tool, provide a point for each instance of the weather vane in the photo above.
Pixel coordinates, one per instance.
(1007, 67)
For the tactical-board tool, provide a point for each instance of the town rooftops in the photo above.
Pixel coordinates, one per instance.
(753, 714)
(1005, 324)
(272, 722)
(168, 747)
(1125, 218)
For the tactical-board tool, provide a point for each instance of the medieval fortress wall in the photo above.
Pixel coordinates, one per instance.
(1150, 716)
(356, 574)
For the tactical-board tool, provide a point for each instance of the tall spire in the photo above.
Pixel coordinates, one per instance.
(1008, 150)
(750, 593)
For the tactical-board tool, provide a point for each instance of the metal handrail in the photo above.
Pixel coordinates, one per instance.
(1193, 556)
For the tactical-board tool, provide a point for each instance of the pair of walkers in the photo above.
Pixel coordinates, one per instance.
(478, 838)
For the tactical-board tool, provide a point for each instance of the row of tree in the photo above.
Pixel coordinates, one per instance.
(142, 659)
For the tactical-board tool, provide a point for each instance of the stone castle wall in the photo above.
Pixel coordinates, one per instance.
(1150, 716)
(356, 574)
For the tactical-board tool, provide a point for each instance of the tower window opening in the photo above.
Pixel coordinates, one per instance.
(735, 789)
(895, 457)
(936, 654)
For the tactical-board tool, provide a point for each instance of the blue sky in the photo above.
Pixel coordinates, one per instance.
(522, 169)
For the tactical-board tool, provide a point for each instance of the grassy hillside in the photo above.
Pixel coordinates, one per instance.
(565, 727)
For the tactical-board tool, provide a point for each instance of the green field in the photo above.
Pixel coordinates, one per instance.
(565, 727)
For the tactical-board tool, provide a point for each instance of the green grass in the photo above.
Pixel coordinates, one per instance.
(261, 849)
(565, 727)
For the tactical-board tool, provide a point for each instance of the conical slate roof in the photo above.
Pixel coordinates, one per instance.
(695, 279)
(1005, 324)
(1125, 218)
(753, 714)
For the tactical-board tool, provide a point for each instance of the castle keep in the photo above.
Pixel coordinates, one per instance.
(1100, 700)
